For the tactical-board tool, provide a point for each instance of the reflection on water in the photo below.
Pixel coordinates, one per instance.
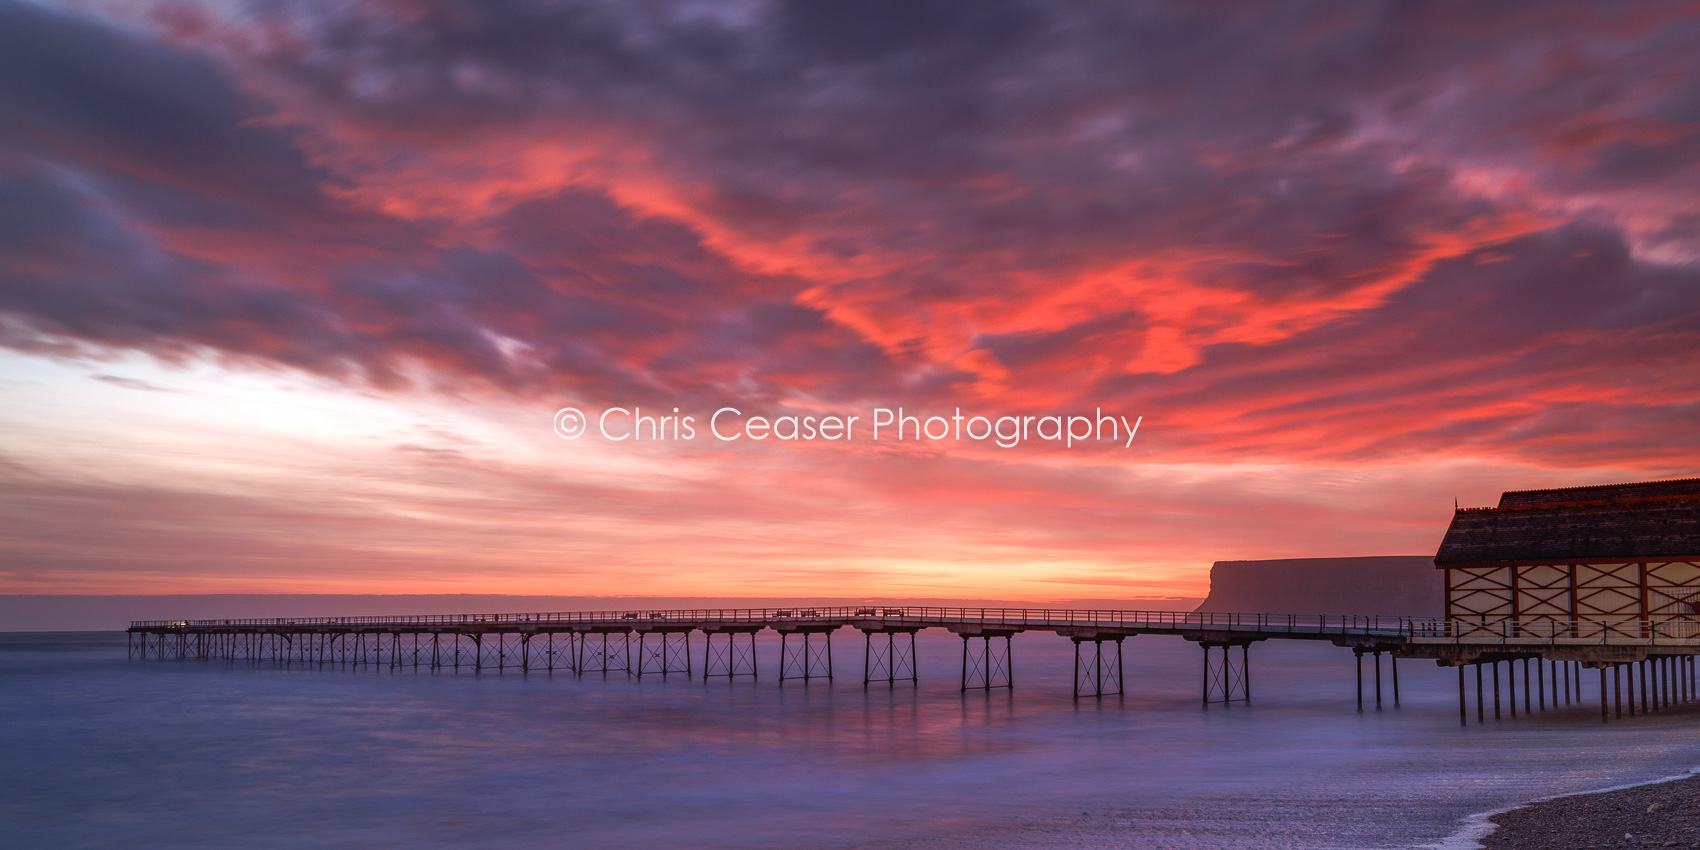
(99, 752)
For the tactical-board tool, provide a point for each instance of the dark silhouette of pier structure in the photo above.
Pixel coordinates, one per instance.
(1642, 667)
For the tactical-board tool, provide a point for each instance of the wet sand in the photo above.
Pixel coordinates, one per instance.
(1662, 815)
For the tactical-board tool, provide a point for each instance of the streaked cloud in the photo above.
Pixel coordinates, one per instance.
(1328, 244)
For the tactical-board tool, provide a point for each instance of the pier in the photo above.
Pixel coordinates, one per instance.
(1642, 666)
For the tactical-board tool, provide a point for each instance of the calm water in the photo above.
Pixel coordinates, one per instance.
(99, 752)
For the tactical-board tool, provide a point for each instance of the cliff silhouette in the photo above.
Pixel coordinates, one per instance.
(1402, 585)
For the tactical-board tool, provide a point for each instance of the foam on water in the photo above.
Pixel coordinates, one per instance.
(99, 752)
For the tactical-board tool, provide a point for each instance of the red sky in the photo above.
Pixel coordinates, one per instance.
(289, 293)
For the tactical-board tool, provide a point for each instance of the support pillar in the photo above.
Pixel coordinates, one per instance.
(605, 652)
(1378, 680)
(1511, 684)
(668, 652)
(1227, 682)
(1496, 690)
(1540, 681)
(988, 666)
(1527, 704)
(808, 658)
(1617, 688)
(1463, 709)
(729, 658)
(1097, 673)
(1605, 715)
(891, 660)
(1360, 660)
(1393, 660)
(1481, 711)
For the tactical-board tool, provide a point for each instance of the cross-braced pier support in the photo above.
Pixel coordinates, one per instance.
(988, 665)
(1226, 678)
(604, 652)
(734, 656)
(557, 651)
(888, 655)
(1098, 671)
(805, 654)
(664, 651)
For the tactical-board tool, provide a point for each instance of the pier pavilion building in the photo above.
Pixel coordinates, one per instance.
(1612, 561)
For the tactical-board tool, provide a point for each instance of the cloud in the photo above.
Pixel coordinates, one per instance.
(1325, 236)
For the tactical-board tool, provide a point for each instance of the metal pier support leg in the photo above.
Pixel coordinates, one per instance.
(1378, 680)
(1077, 668)
(890, 663)
(1656, 692)
(1527, 708)
(1605, 715)
(964, 663)
(1094, 676)
(1511, 684)
(867, 658)
(812, 660)
(1617, 687)
(1227, 679)
(1205, 698)
(732, 660)
(1463, 709)
(1245, 672)
(1629, 687)
(987, 668)
(1481, 712)
(1496, 690)
(1540, 682)
(1360, 655)
(1393, 659)
(1643, 671)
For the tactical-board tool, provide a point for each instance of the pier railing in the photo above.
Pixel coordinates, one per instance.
(1461, 630)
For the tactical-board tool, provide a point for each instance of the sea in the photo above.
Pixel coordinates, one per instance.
(97, 751)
